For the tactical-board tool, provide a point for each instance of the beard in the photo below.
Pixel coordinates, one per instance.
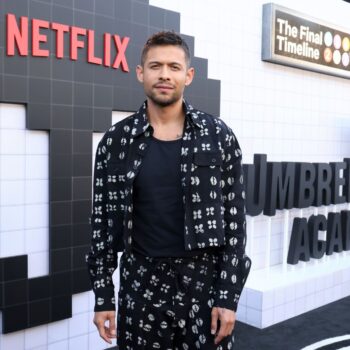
(163, 100)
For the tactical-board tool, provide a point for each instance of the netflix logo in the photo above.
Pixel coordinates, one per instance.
(17, 41)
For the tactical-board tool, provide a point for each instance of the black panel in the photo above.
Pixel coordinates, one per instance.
(38, 116)
(60, 260)
(81, 281)
(39, 313)
(81, 234)
(82, 165)
(61, 237)
(82, 118)
(61, 308)
(62, 92)
(82, 94)
(156, 17)
(61, 213)
(15, 267)
(82, 188)
(80, 210)
(17, 66)
(140, 13)
(62, 117)
(60, 284)
(61, 165)
(61, 189)
(39, 288)
(16, 89)
(86, 5)
(39, 67)
(79, 257)
(82, 142)
(15, 292)
(15, 318)
(61, 142)
(39, 90)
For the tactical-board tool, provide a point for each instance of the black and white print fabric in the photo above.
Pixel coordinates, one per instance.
(213, 196)
(165, 303)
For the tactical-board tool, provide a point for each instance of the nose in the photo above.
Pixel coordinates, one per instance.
(164, 73)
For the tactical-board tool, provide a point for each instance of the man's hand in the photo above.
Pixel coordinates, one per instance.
(106, 333)
(227, 320)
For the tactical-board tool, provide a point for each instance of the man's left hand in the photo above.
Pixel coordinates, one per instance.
(227, 320)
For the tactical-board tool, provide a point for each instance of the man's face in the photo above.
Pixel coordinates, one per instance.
(165, 74)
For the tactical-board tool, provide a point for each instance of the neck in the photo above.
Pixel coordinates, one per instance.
(159, 115)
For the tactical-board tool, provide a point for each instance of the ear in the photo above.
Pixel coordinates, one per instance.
(139, 73)
(189, 76)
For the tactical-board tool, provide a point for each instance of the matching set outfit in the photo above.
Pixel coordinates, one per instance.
(176, 211)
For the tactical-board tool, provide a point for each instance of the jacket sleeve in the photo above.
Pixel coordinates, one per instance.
(101, 259)
(234, 265)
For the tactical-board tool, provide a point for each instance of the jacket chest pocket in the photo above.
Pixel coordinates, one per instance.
(206, 176)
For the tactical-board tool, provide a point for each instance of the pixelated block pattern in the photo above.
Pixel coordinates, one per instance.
(73, 99)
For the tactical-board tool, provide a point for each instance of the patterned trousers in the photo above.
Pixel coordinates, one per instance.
(165, 303)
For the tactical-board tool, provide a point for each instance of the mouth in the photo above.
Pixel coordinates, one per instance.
(163, 87)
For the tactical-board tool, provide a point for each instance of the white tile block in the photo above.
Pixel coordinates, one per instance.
(96, 342)
(36, 216)
(35, 337)
(11, 341)
(279, 313)
(254, 299)
(241, 314)
(254, 317)
(12, 167)
(81, 342)
(38, 264)
(12, 192)
(57, 331)
(12, 142)
(37, 240)
(243, 297)
(37, 167)
(290, 309)
(36, 191)
(79, 324)
(12, 116)
(61, 345)
(267, 318)
(80, 303)
(12, 218)
(279, 296)
(37, 142)
(268, 300)
(12, 243)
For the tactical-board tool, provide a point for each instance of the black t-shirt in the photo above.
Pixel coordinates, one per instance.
(158, 209)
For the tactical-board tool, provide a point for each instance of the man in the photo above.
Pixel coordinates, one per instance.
(168, 192)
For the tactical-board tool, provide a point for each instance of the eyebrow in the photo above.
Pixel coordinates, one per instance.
(170, 63)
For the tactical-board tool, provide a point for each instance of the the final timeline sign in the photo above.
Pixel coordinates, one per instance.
(294, 39)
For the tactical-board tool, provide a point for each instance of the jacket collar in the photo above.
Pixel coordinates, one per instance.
(141, 123)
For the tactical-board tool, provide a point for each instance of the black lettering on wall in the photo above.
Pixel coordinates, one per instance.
(299, 246)
(255, 182)
(323, 184)
(279, 187)
(317, 223)
(337, 182)
(334, 234)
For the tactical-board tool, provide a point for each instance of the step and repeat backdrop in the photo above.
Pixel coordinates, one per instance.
(276, 73)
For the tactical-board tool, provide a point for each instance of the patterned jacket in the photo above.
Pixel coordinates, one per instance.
(213, 197)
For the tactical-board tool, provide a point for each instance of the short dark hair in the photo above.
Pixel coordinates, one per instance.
(166, 38)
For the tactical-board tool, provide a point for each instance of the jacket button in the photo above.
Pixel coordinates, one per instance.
(213, 160)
